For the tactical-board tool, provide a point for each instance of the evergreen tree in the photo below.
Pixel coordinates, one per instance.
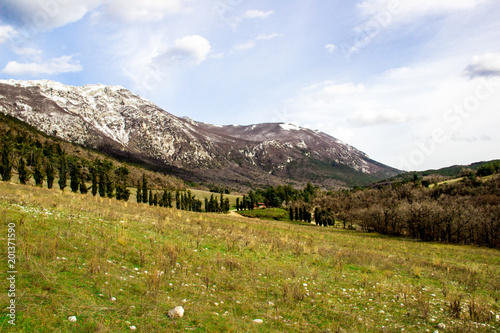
(206, 205)
(74, 176)
(38, 172)
(297, 217)
(50, 172)
(102, 182)
(23, 171)
(63, 171)
(150, 199)
(7, 163)
(290, 213)
(139, 192)
(122, 192)
(177, 200)
(237, 204)
(155, 199)
(94, 178)
(110, 187)
(144, 189)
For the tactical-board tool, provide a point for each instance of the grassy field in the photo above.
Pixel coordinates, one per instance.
(207, 194)
(275, 214)
(116, 265)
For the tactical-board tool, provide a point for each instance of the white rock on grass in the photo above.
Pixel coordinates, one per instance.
(176, 312)
(132, 328)
(72, 319)
(441, 326)
(258, 321)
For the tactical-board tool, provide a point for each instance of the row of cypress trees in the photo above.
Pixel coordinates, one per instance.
(44, 161)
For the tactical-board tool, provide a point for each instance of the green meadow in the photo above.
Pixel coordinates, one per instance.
(121, 266)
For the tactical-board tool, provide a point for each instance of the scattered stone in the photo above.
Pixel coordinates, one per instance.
(113, 299)
(72, 319)
(176, 312)
(133, 328)
(258, 321)
(441, 326)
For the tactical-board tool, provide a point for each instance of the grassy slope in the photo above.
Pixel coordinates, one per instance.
(76, 252)
(279, 214)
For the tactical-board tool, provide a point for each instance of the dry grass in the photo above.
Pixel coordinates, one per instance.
(78, 252)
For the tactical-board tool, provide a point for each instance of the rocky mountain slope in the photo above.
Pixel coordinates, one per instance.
(116, 121)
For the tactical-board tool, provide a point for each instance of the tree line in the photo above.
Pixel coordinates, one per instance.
(466, 212)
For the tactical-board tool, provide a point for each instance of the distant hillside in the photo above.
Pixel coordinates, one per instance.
(450, 172)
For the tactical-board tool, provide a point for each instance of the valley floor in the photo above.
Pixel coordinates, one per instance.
(120, 266)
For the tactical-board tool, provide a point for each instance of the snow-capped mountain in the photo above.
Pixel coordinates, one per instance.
(116, 121)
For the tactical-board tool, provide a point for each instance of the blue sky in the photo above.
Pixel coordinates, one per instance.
(414, 84)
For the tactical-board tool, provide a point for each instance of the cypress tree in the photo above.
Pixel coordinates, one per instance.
(177, 200)
(94, 178)
(49, 170)
(155, 199)
(237, 204)
(74, 175)
(63, 171)
(150, 197)
(110, 187)
(38, 173)
(122, 192)
(297, 217)
(290, 213)
(139, 192)
(102, 181)
(144, 188)
(6, 165)
(22, 170)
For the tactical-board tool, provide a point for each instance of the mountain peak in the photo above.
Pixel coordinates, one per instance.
(116, 121)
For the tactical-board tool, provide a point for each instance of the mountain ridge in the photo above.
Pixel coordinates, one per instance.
(119, 122)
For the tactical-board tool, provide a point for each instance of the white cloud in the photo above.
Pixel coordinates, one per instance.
(26, 51)
(6, 32)
(484, 65)
(269, 36)
(142, 11)
(46, 15)
(250, 44)
(246, 46)
(330, 48)
(257, 14)
(387, 12)
(193, 48)
(59, 65)
(374, 118)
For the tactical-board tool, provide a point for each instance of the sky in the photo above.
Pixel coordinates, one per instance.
(414, 84)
